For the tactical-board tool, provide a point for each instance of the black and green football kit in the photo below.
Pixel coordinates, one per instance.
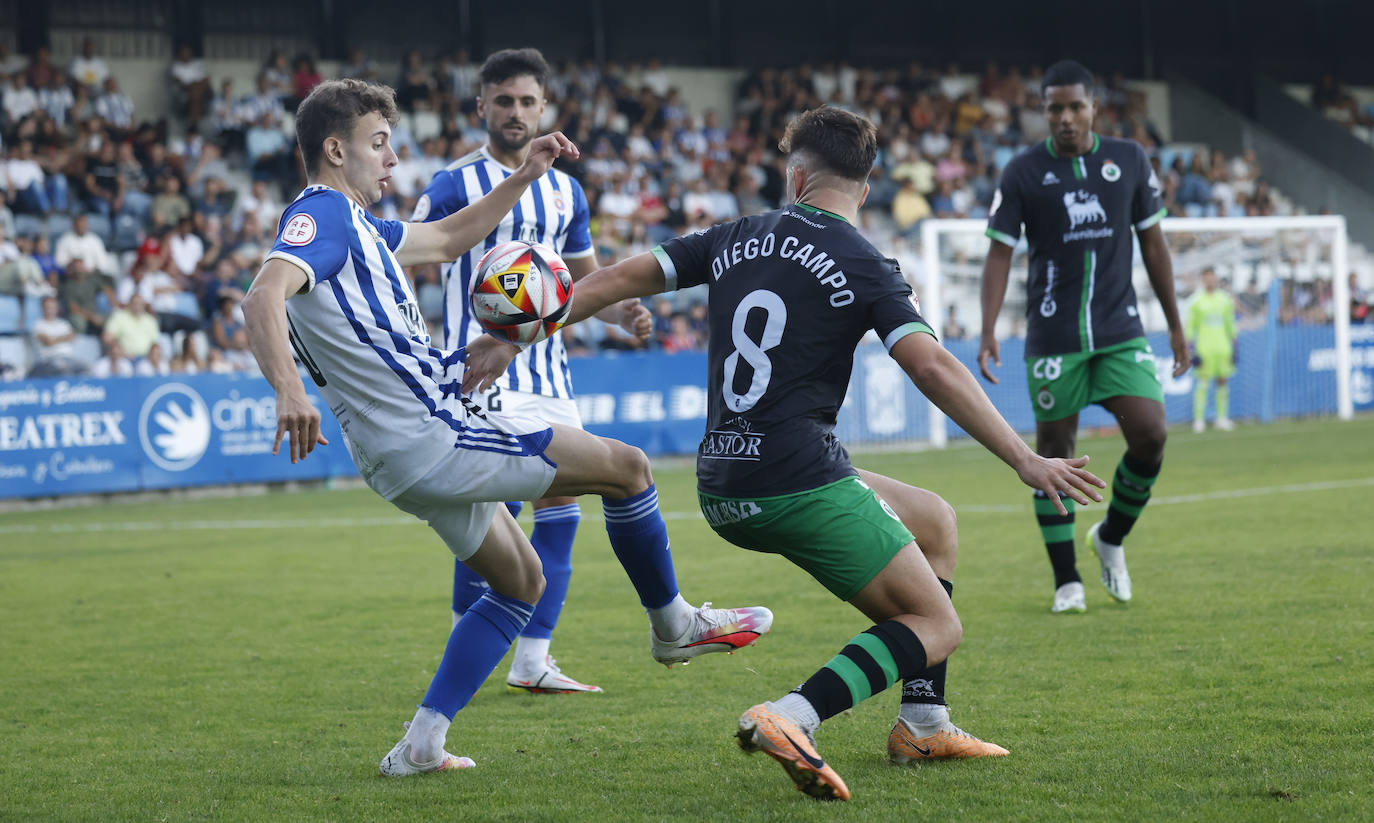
(792, 292)
(1081, 310)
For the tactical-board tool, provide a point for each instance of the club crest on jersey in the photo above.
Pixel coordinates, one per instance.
(1111, 172)
(1083, 208)
(299, 230)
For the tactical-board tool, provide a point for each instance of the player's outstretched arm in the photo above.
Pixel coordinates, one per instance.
(629, 314)
(996, 271)
(1160, 267)
(264, 317)
(444, 240)
(943, 379)
(639, 276)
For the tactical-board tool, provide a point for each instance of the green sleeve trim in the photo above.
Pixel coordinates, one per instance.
(1151, 220)
(1001, 237)
(669, 270)
(903, 330)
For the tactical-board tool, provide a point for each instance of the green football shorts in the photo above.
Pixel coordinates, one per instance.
(1065, 384)
(1215, 363)
(841, 533)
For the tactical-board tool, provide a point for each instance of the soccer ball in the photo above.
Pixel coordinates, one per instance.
(522, 292)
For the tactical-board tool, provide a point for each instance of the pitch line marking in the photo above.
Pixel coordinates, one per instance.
(356, 522)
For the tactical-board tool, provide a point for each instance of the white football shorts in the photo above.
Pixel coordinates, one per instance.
(500, 457)
(528, 404)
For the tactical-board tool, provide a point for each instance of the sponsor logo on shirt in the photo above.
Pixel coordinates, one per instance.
(1084, 209)
(1049, 179)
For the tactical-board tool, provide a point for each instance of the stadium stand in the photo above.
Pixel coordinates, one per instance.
(657, 161)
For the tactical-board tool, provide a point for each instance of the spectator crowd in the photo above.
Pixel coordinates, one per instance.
(144, 234)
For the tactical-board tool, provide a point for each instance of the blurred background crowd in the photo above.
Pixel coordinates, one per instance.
(126, 243)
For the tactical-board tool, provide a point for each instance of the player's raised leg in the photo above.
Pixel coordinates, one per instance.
(621, 475)
(1143, 425)
(923, 730)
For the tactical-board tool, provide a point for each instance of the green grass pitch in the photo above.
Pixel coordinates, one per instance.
(252, 658)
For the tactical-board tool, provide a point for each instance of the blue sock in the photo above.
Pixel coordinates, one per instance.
(477, 644)
(514, 508)
(468, 585)
(554, 530)
(640, 541)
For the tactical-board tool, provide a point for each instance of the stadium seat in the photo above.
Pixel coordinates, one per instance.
(14, 352)
(127, 233)
(431, 299)
(86, 348)
(187, 305)
(33, 310)
(11, 312)
(101, 225)
(58, 225)
(30, 225)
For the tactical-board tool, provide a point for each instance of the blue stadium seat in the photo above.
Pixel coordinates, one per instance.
(431, 299)
(33, 310)
(14, 352)
(27, 224)
(11, 311)
(187, 305)
(58, 225)
(101, 225)
(86, 348)
(128, 233)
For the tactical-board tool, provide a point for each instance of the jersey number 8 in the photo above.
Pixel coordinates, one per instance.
(775, 319)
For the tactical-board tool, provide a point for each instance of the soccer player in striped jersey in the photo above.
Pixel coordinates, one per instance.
(553, 212)
(1079, 196)
(333, 289)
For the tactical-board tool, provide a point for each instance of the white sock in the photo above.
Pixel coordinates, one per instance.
(529, 654)
(924, 714)
(426, 734)
(456, 617)
(800, 710)
(672, 620)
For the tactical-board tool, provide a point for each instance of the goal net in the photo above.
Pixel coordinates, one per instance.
(1294, 350)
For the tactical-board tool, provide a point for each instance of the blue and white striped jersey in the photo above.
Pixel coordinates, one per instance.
(357, 329)
(553, 211)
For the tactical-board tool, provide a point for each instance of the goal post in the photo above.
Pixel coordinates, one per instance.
(1287, 274)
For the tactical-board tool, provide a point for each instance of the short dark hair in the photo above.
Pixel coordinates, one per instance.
(1068, 73)
(507, 63)
(332, 109)
(844, 143)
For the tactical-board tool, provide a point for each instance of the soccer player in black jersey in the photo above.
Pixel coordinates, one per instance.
(1079, 195)
(792, 293)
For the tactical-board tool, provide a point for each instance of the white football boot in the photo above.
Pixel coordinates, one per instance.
(1069, 598)
(547, 679)
(1115, 579)
(713, 630)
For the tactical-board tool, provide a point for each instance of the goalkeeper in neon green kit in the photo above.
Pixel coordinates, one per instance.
(1212, 332)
